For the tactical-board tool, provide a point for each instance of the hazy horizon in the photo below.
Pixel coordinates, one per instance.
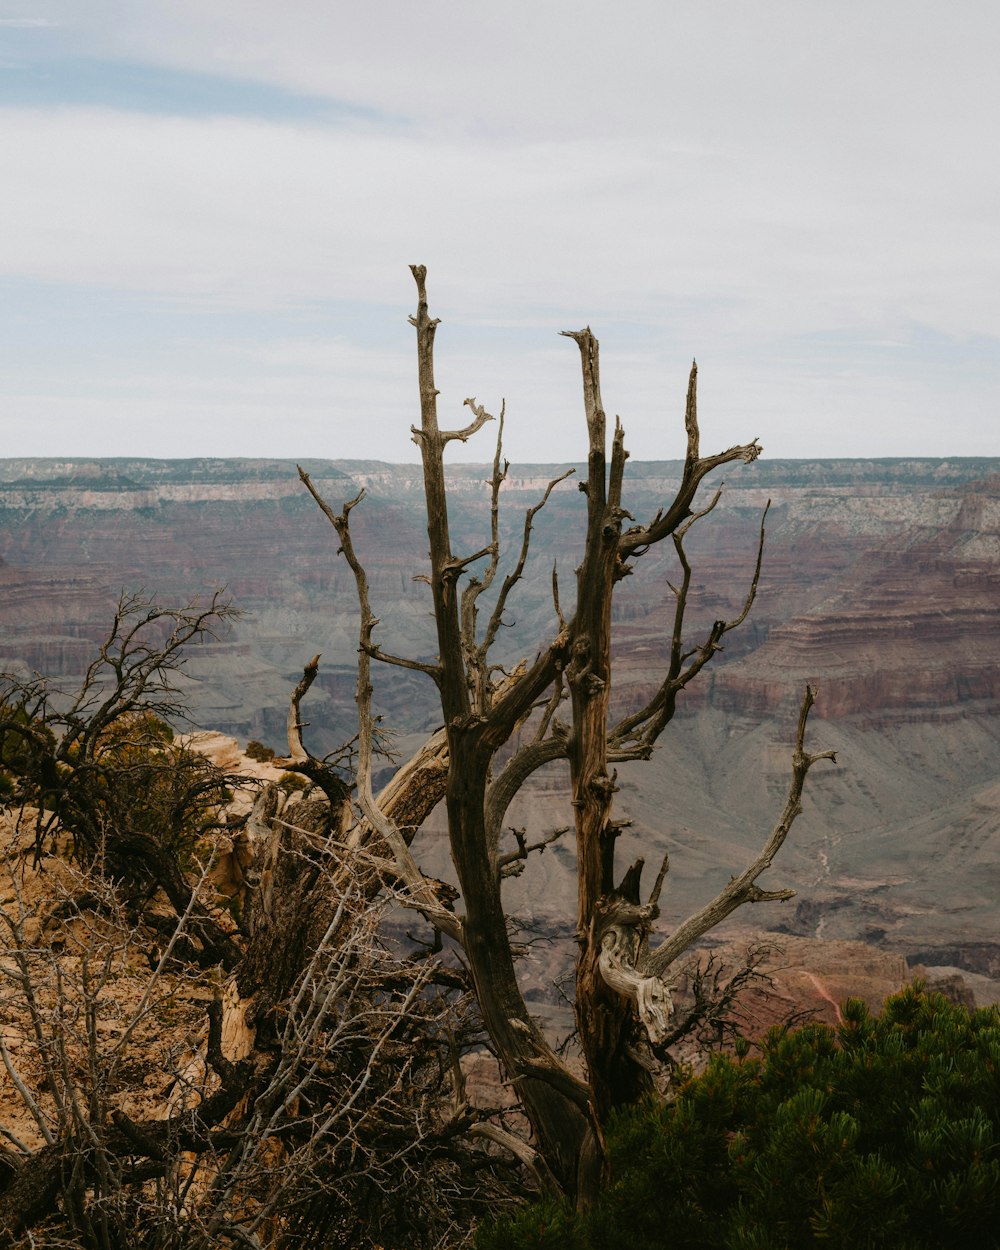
(765, 462)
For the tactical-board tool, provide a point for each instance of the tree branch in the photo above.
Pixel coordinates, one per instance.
(525, 761)
(478, 673)
(637, 539)
(511, 580)
(512, 862)
(742, 889)
(481, 417)
(420, 889)
(371, 649)
(645, 726)
(296, 751)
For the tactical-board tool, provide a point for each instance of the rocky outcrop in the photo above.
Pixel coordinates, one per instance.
(803, 976)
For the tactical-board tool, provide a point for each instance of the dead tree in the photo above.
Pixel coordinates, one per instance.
(100, 768)
(622, 996)
(128, 1119)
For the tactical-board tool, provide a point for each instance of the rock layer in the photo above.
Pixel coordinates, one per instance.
(880, 585)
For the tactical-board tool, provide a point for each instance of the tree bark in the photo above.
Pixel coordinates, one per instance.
(604, 1017)
(559, 1123)
(620, 995)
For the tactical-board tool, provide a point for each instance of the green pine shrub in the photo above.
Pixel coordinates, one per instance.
(883, 1132)
(258, 751)
(292, 783)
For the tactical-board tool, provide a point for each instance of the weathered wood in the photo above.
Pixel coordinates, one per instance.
(620, 991)
(472, 744)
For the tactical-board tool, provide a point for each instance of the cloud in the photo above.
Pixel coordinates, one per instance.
(241, 213)
(779, 72)
(785, 190)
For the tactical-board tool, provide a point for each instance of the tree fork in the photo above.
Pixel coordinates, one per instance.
(619, 979)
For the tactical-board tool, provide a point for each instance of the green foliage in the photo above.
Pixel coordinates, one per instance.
(547, 1225)
(25, 741)
(102, 763)
(258, 751)
(101, 768)
(884, 1132)
(131, 782)
(292, 783)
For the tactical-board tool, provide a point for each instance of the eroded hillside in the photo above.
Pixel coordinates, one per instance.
(880, 584)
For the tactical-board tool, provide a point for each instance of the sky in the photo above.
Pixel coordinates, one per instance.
(209, 208)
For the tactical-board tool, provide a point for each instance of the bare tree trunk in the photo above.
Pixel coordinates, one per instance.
(559, 1123)
(622, 1001)
(605, 1019)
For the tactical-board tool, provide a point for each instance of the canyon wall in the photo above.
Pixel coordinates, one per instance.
(880, 585)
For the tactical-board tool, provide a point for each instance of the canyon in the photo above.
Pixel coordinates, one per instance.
(880, 586)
